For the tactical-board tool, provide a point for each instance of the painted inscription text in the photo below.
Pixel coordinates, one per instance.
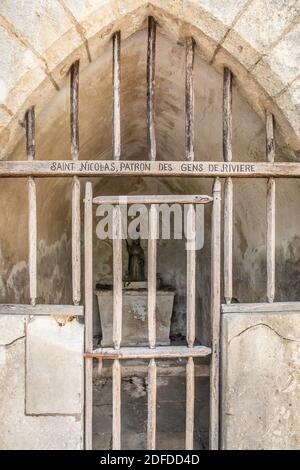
(111, 167)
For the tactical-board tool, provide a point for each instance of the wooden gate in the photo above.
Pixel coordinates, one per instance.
(153, 352)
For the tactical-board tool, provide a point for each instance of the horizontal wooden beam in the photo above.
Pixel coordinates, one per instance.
(161, 199)
(56, 168)
(275, 307)
(42, 309)
(160, 352)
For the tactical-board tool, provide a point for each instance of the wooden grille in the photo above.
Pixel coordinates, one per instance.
(153, 352)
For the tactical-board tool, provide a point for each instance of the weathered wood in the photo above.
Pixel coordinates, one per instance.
(74, 124)
(167, 199)
(116, 74)
(117, 277)
(189, 99)
(227, 115)
(165, 370)
(262, 307)
(190, 404)
(151, 88)
(215, 316)
(88, 280)
(191, 275)
(32, 218)
(32, 240)
(74, 109)
(148, 353)
(56, 168)
(228, 239)
(116, 405)
(151, 422)
(228, 191)
(41, 309)
(30, 133)
(270, 154)
(270, 138)
(76, 251)
(271, 239)
(152, 253)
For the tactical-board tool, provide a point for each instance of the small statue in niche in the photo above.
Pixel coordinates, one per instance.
(136, 261)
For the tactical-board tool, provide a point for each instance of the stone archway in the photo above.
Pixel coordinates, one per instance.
(42, 40)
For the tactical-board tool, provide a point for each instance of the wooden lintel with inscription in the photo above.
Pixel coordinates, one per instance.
(50, 168)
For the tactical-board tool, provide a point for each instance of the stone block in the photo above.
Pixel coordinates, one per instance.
(135, 318)
(260, 380)
(290, 102)
(11, 329)
(264, 21)
(280, 66)
(18, 431)
(19, 75)
(54, 366)
(284, 57)
(44, 24)
(213, 18)
(258, 28)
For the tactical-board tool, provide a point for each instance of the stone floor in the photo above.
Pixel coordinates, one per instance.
(170, 413)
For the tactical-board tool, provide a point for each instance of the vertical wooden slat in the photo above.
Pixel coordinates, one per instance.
(151, 87)
(190, 315)
(215, 315)
(190, 404)
(88, 269)
(32, 217)
(116, 419)
(228, 190)
(271, 239)
(30, 133)
(76, 255)
(152, 255)
(32, 222)
(191, 275)
(117, 324)
(151, 423)
(116, 96)
(189, 100)
(117, 277)
(227, 115)
(74, 123)
(271, 201)
(74, 108)
(228, 239)
(270, 138)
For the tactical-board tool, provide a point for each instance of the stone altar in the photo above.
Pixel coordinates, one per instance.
(135, 318)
